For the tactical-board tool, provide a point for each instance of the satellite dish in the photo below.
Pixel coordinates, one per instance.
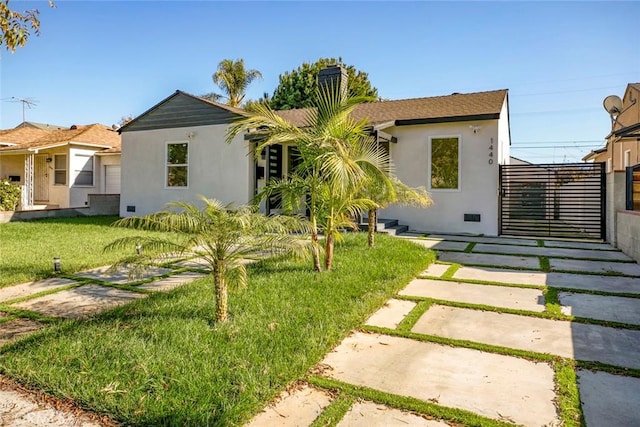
(613, 104)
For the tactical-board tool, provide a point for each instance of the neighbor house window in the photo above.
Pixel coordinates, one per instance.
(60, 169)
(177, 164)
(445, 163)
(84, 170)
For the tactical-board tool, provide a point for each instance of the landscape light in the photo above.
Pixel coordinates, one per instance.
(56, 265)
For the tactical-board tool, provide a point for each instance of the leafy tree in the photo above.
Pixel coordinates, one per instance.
(297, 88)
(16, 27)
(337, 156)
(233, 79)
(224, 237)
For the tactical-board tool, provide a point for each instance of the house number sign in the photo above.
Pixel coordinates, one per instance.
(491, 152)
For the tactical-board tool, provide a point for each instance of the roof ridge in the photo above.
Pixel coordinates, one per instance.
(442, 96)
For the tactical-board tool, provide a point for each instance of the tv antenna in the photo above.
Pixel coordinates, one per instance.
(26, 103)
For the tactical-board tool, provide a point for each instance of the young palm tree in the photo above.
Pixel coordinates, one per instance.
(234, 80)
(384, 195)
(337, 157)
(224, 237)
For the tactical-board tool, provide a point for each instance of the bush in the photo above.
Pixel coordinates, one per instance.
(9, 195)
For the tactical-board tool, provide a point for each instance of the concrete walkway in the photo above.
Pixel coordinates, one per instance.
(467, 291)
(449, 338)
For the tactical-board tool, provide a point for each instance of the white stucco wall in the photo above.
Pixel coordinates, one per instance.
(478, 179)
(216, 169)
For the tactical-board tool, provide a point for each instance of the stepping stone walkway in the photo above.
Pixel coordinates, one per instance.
(20, 409)
(498, 386)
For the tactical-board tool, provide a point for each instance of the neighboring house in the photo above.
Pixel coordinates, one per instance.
(623, 143)
(451, 144)
(59, 167)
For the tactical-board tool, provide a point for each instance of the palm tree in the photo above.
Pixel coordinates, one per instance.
(337, 157)
(384, 195)
(223, 236)
(234, 79)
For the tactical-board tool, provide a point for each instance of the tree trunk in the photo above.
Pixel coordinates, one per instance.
(315, 251)
(328, 256)
(371, 227)
(221, 292)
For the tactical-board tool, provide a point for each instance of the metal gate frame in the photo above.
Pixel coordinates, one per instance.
(553, 200)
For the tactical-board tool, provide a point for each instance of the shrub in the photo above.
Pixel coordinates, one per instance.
(9, 195)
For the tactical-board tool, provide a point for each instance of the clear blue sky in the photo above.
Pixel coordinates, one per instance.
(98, 61)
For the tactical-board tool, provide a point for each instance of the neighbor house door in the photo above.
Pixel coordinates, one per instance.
(41, 179)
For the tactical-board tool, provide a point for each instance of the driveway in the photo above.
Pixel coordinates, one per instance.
(498, 330)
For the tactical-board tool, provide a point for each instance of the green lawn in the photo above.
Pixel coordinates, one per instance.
(27, 248)
(163, 361)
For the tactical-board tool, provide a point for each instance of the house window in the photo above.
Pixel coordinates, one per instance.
(627, 158)
(445, 163)
(84, 170)
(177, 164)
(60, 169)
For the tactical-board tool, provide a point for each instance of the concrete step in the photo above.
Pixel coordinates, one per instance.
(389, 226)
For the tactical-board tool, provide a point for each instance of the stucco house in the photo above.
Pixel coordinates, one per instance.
(176, 150)
(59, 167)
(623, 143)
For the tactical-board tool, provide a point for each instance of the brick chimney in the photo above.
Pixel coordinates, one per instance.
(335, 78)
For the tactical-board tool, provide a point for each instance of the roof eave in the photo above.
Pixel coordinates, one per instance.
(431, 120)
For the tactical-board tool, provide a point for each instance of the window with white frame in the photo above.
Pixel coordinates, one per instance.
(177, 164)
(83, 170)
(60, 169)
(627, 158)
(444, 157)
(609, 165)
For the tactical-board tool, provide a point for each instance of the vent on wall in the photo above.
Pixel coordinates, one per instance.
(472, 217)
(131, 208)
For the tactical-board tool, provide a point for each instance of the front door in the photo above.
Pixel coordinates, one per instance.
(41, 179)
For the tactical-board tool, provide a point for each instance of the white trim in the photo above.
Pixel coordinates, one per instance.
(166, 165)
(445, 190)
(627, 158)
(609, 165)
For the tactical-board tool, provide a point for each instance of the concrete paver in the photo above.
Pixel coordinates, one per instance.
(630, 269)
(16, 410)
(495, 296)
(79, 302)
(485, 259)
(568, 339)
(578, 244)
(367, 414)
(482, 239)
(442, 245)
(614, 309)
(436, 270)
(609, 400)
(613, 284)
(552, 252)
(391, 314)
(26, 289)
(500, 275)
(14, 329)
(121, 275)
(293, 409)
(451, 376)
(172, 282)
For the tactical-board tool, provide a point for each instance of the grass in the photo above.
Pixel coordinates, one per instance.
(28, 247)
(163, 361)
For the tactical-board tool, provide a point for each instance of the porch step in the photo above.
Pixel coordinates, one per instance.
(389, 226)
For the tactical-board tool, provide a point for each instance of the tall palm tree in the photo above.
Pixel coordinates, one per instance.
(337, 156)
(222, 236)
(234, 80)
